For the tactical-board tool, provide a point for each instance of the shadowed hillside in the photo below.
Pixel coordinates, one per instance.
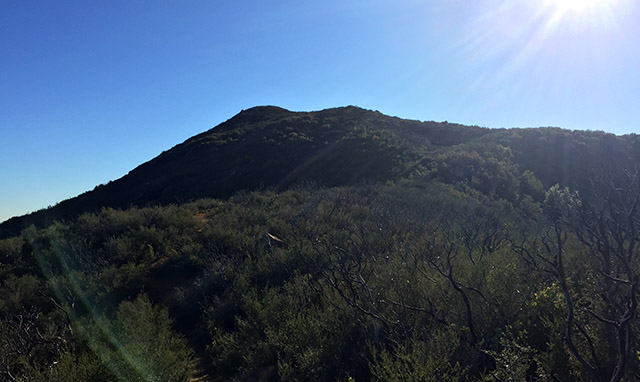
(272, 148)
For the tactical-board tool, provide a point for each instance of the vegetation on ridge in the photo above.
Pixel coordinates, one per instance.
(272, 148)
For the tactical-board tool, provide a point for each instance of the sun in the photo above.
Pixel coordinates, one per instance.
(582, 10)
(582, 14)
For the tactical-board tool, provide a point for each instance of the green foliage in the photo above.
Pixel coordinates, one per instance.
(84, 367)
(513, 363)
(139, 344)
(18, 292)
(531, 185)
(421, 359)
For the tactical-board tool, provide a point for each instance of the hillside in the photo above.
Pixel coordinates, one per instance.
(337, 245)
(272, 148)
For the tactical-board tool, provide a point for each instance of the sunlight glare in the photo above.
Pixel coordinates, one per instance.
(586, 12)
(578, 5)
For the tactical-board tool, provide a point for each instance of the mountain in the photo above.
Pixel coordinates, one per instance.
(337, 245)
(273, 148)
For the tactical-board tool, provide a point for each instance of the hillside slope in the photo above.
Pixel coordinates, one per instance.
(270, 147)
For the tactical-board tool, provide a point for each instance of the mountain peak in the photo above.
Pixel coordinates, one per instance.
(261, 113)
(264, 109)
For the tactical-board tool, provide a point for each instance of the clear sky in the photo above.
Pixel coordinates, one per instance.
(91, 89)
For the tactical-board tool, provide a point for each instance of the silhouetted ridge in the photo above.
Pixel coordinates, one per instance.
(271, 147)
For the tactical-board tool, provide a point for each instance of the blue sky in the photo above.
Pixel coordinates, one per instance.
(91, 89)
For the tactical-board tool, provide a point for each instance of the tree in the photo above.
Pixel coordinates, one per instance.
(608, 228)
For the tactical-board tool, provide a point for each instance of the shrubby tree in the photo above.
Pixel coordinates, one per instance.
(600, 292)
